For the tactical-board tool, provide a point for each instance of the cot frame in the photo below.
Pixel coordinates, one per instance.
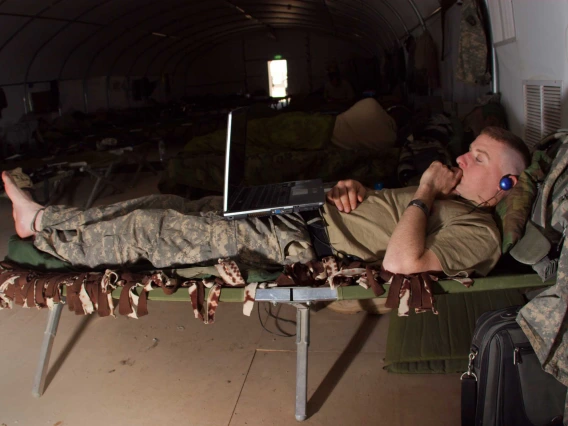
(299, 297)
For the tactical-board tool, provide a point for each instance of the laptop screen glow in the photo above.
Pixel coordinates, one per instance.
(235, 155)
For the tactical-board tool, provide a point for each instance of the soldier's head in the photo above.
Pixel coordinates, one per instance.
(494, 154)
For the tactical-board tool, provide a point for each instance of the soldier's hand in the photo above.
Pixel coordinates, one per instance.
(346, 195)
(441, 179)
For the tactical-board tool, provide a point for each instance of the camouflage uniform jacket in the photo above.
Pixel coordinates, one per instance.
(545, 322)
(472, 66)
(544, 319)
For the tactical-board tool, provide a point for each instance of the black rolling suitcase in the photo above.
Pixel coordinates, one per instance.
(505, 384)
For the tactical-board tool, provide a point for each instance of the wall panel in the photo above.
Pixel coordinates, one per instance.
(536, 54)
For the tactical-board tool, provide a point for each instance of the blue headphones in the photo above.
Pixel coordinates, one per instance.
(506, 182)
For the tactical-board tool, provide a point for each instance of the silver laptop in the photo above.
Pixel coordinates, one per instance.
(241, 201)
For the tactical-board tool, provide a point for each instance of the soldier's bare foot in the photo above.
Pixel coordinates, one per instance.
(24, 209)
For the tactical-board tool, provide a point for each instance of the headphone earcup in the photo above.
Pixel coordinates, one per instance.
(506, 183)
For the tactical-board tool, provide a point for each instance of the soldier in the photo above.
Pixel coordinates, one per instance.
(441, 225)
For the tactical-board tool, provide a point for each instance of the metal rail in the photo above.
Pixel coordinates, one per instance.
(418, 14)
(299, 297)
(494, 63)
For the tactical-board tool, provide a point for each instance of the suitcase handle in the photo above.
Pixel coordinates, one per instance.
(468, 399)
(469, 392)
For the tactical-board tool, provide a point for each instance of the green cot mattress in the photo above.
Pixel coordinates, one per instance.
(425, 343)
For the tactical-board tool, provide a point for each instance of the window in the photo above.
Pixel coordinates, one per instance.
(502, 21)
(278, 78)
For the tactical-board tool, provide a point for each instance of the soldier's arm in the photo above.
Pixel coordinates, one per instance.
(406, 252)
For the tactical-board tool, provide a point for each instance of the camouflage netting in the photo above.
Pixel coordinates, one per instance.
(291, 146)
(87, 292)
(187, 173)
(292, 131)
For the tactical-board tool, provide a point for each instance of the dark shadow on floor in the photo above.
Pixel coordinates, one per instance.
(340, 366)
(67, 349)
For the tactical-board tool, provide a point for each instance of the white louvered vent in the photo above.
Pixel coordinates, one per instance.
(502, 21)
(542, 109)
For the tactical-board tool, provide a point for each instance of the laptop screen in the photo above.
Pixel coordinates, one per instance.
(235, 153)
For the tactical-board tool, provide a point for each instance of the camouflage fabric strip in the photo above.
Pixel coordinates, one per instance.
(195, 304)
(212, 303)
(90, 292)
(250, 294)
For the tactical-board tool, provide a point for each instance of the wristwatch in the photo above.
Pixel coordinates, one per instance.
(421, 205)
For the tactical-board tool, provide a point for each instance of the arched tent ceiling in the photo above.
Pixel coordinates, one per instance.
(42, 40)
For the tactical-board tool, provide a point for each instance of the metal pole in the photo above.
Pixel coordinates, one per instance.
(45, 351)
(98, 183)
(432, 15)
(244, 52)
(418, 14)
(494, 65)
(309, 61)
(393, 10)
(302, 343)
(85, 96)
(25, 99)
(108, 91)
(28, 98)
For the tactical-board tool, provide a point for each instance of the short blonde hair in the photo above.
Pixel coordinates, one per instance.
(512, 141)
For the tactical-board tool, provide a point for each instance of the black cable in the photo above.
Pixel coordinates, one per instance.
(484, 206)
(269, 312)
(323, 242)
(327, 244)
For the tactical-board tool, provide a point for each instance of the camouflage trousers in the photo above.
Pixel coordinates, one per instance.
(170, 231)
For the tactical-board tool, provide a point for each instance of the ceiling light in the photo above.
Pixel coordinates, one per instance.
(159, 34)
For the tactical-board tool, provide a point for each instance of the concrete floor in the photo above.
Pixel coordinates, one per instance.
(170, 369)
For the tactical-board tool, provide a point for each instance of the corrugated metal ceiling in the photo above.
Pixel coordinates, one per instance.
(44, 40)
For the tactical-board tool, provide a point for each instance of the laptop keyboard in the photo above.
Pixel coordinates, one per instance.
(258, 197)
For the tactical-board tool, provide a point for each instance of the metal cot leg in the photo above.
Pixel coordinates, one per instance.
(100, 179)
(302, 343)
(45, 352)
